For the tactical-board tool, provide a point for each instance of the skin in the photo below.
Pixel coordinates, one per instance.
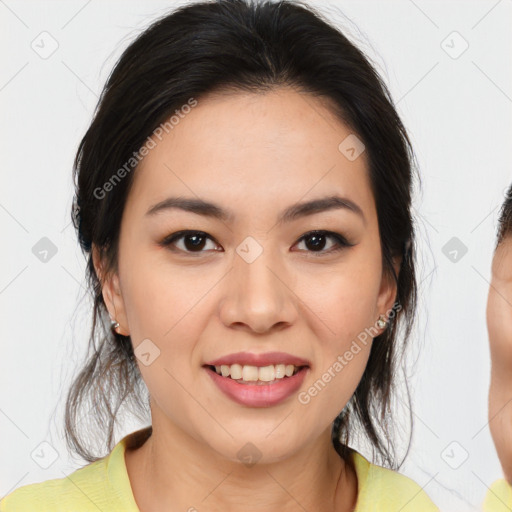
(255, 154)
(499, 325)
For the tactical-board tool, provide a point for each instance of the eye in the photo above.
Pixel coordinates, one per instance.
(193, 241)
(315, 241)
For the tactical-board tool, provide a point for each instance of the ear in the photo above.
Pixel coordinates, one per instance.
(388, 290)
(111, 291)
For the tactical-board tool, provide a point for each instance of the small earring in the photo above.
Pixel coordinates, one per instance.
(381, 322)
(114, 325)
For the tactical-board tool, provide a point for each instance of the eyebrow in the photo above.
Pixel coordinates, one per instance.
(293, 212)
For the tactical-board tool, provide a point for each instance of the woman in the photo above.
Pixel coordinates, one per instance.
(243, 197)
(499, 325)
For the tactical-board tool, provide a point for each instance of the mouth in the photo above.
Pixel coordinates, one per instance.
(256, 375)
(257, 386)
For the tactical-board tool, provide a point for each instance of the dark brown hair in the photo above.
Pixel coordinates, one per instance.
(505, 218)
(239, 45)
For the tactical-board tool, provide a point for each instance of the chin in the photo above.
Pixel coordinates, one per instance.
(251, 446)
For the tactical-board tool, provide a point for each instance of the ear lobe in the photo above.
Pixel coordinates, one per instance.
(111, 291)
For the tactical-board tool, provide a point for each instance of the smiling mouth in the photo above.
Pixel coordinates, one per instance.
(257, 375)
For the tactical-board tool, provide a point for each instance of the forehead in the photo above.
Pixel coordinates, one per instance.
(252, 149)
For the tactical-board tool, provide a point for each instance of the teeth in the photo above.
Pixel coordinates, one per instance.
(280, 371)
(289, 369)
(235, 371)
(249, 373)
(267, 373)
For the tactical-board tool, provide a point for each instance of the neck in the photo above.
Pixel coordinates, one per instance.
(173, 471)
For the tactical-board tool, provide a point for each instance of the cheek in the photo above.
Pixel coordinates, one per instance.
(160, 298)
(344, 299)
(165, 316)
(166, 305)
(346, 305)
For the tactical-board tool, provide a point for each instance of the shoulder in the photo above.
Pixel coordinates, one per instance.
(101, 485)
(498, 497)
(389, 489)
(83, 490)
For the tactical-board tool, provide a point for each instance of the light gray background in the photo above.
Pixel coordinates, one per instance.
(458, 113)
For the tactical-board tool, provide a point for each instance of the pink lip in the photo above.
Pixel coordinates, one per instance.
(268, 358)
(256, 395)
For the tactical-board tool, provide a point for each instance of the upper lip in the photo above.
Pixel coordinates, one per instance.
(266, 359)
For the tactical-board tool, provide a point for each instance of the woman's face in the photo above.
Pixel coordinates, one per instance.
(251, 281)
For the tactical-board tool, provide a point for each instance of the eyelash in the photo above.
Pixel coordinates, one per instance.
(340, 240)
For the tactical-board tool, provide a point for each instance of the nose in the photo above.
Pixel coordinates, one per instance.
(257, 295)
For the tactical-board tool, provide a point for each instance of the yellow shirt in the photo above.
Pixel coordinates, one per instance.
(499, 497)
(104, 486)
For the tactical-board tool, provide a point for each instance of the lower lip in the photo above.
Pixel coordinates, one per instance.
(259, 395)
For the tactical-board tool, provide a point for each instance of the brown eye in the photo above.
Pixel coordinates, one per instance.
(195, 242)
(316, 241)
(192, 241)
